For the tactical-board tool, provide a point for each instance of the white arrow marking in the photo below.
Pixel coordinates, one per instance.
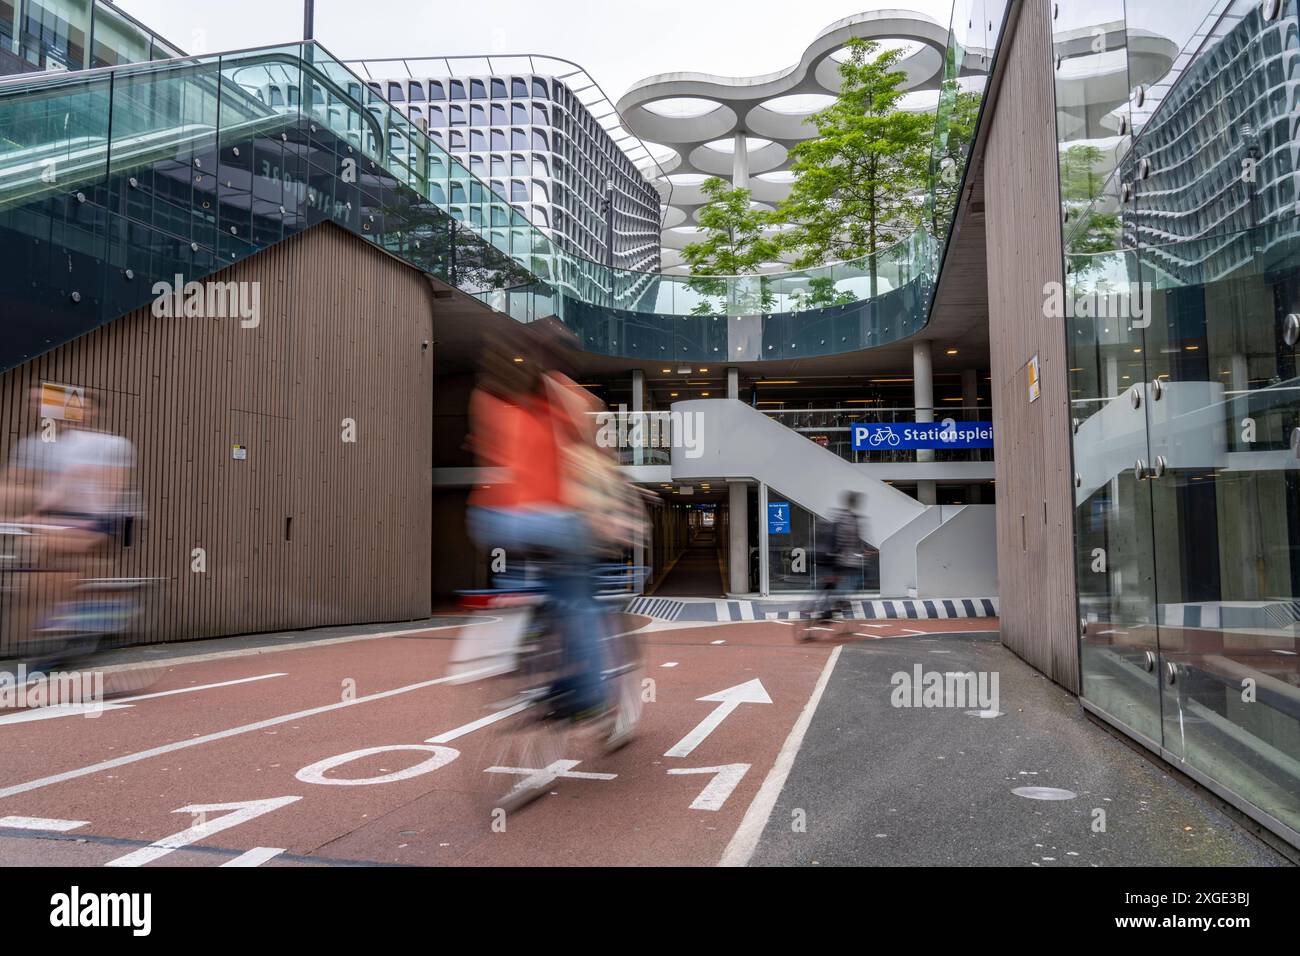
(41, 823)
(255, 857)
(239, 813)
(750, 692)
(724, 781)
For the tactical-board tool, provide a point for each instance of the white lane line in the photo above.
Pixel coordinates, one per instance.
(908, 630)
(745, 840)
(786, 623)
(255, 857)
(51, 711)
(717, 642)
(187, 690)
(669, 664)
(41, 823)
(210, 738)
(277, 648)
(474, 725)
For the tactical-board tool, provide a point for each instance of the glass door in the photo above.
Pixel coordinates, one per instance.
(1115, 562)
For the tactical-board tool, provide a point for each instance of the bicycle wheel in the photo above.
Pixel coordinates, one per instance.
(624, 679)
(522, 747)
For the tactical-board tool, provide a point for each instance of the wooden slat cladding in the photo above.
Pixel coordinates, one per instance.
(1034, 473)
(309, 530)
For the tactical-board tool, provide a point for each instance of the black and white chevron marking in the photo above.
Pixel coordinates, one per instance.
(661, 609)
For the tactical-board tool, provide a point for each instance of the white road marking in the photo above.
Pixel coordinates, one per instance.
(59, 710)
(559, 768)
(669, 664)
(717, 642)
(750, 692)
(315, 773)
(71, 710)
(474, 725)
(255, 857)
(469, 621)
(745, 840)
(41, 823)
(719, 789)
(189, 690)
(908, 630)
(786, 623)
(238, 813)
(126, 759)
(865, 624)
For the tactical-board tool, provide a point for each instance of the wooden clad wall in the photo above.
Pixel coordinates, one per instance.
(309, 530)
(1034, 470)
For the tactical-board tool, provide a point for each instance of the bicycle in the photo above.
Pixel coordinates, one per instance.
(532, 724)
(826, 603)
(97, 617)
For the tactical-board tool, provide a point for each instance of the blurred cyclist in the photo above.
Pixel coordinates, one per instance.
(70, 486)
(532, 424)
(839, 563)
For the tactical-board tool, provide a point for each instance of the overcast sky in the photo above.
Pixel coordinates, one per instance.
(617, 41)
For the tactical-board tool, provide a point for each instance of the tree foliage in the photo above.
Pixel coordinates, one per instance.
(859, 184)
(733, 244)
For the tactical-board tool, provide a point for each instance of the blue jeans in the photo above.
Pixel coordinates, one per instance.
(563, 538)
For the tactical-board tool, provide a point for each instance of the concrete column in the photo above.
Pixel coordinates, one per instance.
(923, 399)
(740, 164)
(637, 425)
(733, 383)
(763, 579)
(738, 536)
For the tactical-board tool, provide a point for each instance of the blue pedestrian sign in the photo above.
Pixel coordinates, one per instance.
(945, 434)
(778, 517)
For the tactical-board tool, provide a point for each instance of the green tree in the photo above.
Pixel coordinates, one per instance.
(859, 184)
(733, 245)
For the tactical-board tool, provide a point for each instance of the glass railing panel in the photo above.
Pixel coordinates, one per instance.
(53, 139)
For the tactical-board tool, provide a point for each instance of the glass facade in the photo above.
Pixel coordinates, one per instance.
(1181, 309)
(38, 35)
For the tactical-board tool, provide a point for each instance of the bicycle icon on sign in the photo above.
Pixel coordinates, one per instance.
(884, 436)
